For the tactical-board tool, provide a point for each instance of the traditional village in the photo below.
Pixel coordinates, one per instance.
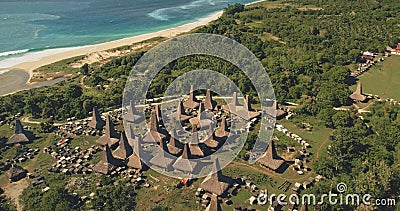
(119, 153)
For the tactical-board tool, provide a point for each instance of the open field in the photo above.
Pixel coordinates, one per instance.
(383, 79)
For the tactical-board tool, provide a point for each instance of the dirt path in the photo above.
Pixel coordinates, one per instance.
(14, 191)
(26, 119)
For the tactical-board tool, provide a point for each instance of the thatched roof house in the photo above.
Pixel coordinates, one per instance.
(216, 183)
(153, 135)
(161, 159)
(192, 102)
(108, 163)
(133, 115)
(110, 136)
(134, 161)
(243, 111)
(124, 149)
(200, 121)
(173, 146)
(20, 136)
(358, 95)
(271, 159)
(196, 148)
(96, 122)
(183, 163)
(211, 142)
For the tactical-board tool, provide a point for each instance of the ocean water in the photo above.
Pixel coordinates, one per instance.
(37, 25)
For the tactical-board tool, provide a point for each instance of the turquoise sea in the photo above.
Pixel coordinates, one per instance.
(36, 25)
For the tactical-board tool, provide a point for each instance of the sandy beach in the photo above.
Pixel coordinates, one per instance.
(32, 61)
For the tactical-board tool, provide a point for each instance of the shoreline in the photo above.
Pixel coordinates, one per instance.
(31, 61)
(34, 60)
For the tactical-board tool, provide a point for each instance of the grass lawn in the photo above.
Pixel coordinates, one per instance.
(318, 137)
(383, 79)
(164, 193)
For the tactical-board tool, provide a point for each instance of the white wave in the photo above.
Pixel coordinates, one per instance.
(8, 53)
(3, 71)
(35, 56)
(158, 15)
(165, 14)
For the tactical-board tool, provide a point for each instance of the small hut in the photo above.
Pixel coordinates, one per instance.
(16, 173)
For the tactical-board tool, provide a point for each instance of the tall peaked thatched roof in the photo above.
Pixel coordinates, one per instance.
(358, 95)
(235, 101)
(96, 122)
(18, 127)
(161, 117)
(162, 159)
(209, 103)
(20, 136)
(222, 130)
(124, 149)
(130, 134)
(108, 163)
(242, 111)
(200, 121)
(216, 183)
(172, 145)
(153, 121)
(247, 103)
(134, 161)
(183, 163)
(183, 116)
(271, 159)
(110, 136)
(133, 115)
(211, 142)
(192, 102)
